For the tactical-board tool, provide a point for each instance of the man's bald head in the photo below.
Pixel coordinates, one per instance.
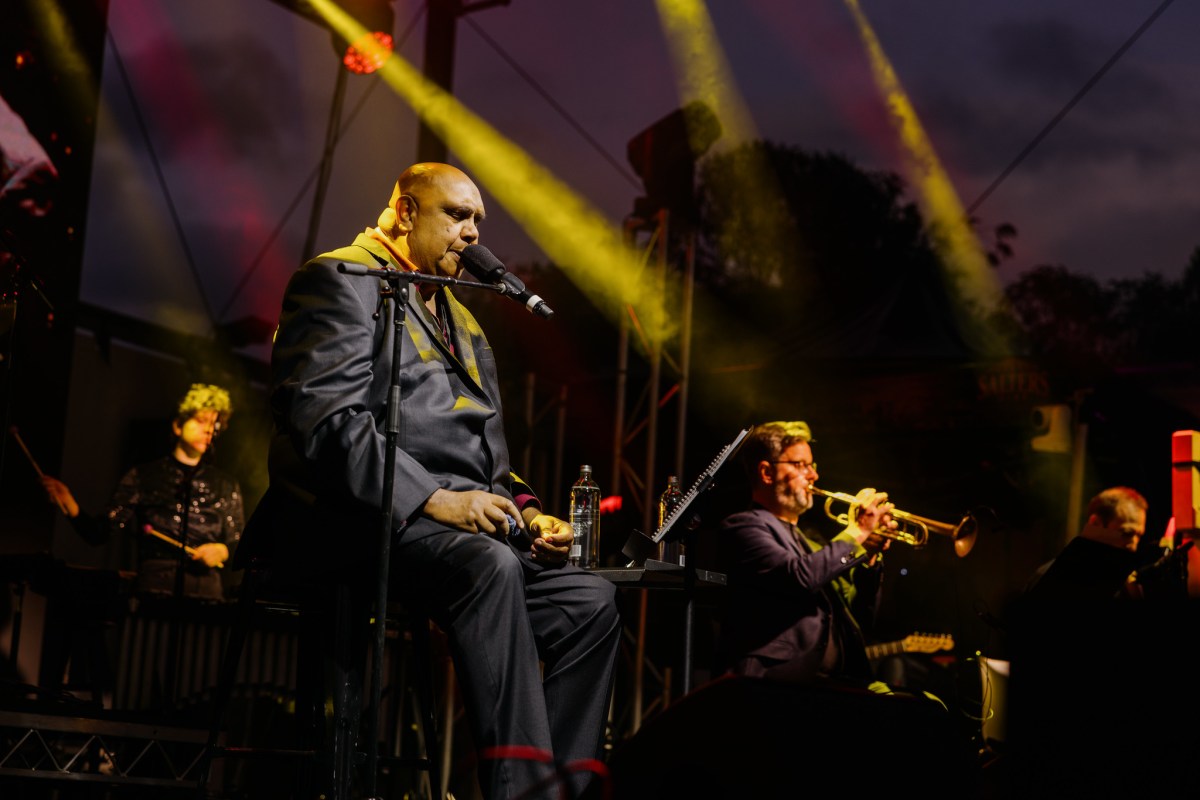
(419, 178)
(417, 183)
(434, 214)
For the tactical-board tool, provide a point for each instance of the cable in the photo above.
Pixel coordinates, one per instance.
(637, 184)
(1087, 87)
(312, 176)
(162, 180)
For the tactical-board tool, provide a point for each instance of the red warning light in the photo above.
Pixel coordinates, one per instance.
(363, 57)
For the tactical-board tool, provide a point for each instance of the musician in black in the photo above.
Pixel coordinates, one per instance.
(148, 504)
(1097, 641)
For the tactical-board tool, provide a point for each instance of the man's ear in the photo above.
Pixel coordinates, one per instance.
(176, 428)
(764, 473)
(1093, 529)
(406, 213)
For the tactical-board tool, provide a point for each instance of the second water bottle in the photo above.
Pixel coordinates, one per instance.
(585, 519)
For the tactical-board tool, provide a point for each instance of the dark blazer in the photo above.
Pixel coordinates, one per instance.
(780, 595)
(330, 373)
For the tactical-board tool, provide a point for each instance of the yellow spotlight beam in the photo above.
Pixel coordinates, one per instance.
(703, 74)
(702, 71)
(961, 252)
(69, 63)
(76, 74)
(576, 237)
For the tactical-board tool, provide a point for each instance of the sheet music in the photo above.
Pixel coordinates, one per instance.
(700, 485)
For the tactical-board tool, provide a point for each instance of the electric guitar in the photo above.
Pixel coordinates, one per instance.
(913, 643)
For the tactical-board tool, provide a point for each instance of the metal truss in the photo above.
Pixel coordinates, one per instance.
(652, 237)
(90, 750)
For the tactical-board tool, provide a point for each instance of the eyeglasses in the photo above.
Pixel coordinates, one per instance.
(800, 465)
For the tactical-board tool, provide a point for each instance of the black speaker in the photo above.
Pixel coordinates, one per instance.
(754, 738)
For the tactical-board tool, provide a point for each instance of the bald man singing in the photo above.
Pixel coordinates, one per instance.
(503, 607)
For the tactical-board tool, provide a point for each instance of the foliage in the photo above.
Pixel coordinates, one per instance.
(1075, 323)
(827, 259)
(822, 213)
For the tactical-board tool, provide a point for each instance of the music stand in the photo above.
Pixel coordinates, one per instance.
(682, 523)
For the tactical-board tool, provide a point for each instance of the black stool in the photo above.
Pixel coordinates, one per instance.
(333, 646)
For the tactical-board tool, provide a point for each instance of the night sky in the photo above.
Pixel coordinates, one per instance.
(235, 96)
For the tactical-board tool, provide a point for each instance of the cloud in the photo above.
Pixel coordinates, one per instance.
(1049, 62)
(1141, 109)
(1045, 56)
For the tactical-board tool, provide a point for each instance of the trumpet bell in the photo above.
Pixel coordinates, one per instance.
(965, 534)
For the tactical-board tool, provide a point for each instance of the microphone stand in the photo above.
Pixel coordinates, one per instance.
(689, 599)
(171, 679)
(397, 287)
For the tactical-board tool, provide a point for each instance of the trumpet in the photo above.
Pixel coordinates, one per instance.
(911, 529)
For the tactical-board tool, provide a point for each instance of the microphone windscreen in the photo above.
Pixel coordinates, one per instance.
(480, 262)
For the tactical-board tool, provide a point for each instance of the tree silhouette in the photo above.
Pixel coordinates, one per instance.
(836, 262)
(1081, 328)
(1062, 319)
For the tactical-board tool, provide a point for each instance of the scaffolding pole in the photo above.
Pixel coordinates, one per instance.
(628, 427)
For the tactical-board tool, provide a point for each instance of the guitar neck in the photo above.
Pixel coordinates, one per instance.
(917, 643)
(885, 649)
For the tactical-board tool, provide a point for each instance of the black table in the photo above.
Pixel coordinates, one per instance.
(660, 575)
(663, 575)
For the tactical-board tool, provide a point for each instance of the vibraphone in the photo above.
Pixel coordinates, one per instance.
(170, 652)
(152, 665)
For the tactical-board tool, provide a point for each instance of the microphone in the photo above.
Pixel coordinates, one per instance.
(519, 537)
(480, 262)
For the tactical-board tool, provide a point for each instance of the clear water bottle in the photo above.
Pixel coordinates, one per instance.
(585, 519)
(671, 552)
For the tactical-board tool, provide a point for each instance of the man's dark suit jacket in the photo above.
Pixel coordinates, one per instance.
(780, 598)
(330, 374)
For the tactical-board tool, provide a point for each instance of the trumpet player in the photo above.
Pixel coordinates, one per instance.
(795, 600)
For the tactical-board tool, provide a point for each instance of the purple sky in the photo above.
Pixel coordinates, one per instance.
(236, 94)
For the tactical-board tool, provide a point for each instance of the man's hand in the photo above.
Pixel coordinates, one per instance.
(876, 544)
(475, 511)
(213, 554)
(871, 512)
(553, 537)
(61, 496)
